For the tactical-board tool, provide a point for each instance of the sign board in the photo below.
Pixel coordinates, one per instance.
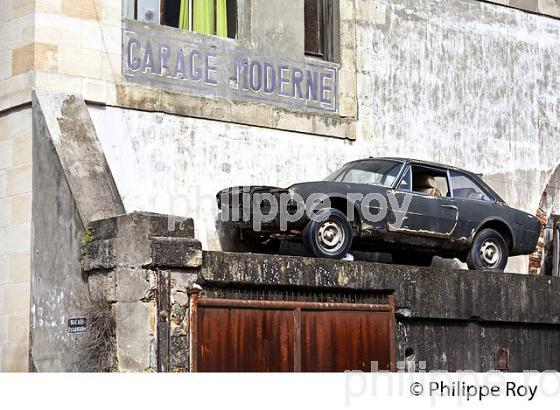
(197, 64)
(77, 325)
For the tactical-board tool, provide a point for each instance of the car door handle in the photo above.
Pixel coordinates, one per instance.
(450, 206)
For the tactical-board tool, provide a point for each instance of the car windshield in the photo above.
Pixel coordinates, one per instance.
(376, 172)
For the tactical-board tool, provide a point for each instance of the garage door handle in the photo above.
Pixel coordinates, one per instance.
(450, 207)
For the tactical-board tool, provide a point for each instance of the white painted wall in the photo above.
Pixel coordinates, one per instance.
(466, 83)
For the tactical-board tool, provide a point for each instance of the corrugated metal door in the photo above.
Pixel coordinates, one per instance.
(272, 336)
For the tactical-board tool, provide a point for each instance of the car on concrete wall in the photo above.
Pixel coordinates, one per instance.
(409, 208)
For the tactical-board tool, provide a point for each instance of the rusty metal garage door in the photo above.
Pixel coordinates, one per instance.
(276, 336)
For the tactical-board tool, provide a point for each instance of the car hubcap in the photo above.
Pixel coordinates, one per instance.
(331, 236)
(490, 254)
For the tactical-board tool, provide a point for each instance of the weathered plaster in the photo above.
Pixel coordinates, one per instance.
(466, 83)
(69, 127)
(58, 291)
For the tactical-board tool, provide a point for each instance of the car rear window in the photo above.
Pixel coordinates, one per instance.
(465, 187)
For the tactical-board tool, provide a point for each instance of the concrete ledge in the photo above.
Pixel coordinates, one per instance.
(146, 224)
(420, 292)
(143, 240)
(176, 252)
(140, 97)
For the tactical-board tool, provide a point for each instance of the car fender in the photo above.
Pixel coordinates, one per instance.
(336, 200)
(492, 219)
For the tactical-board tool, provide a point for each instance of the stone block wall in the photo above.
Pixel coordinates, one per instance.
(63, 45)
(15, 237)
(17, 52)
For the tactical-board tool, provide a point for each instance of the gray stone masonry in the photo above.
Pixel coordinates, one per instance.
(144, 264)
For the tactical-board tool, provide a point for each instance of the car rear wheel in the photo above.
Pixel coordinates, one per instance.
(489, 251)
(328, 234)
(412, 258)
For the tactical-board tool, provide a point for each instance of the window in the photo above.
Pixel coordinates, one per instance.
(319, 28)
(465, 187)
(376, 172)
(430, 181)
(216, 17)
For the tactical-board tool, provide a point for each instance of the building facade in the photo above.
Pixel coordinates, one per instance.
(187, 98)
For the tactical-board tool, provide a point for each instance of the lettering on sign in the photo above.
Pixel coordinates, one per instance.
(77, 325)
(182, 63)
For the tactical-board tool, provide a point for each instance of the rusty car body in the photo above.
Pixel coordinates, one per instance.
(449, 212)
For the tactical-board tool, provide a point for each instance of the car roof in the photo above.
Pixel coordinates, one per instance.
(420, 162)
(404, 160)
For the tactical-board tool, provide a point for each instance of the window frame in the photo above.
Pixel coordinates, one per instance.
(441, 171)
(131, 7)
(408, 169)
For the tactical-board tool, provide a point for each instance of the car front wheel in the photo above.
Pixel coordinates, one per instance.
(489, 252)
(328, 234)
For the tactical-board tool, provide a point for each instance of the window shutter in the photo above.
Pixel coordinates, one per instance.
(313, 27)
(319, 28)
(328, 29)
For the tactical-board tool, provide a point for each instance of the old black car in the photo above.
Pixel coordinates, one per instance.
(412, 209)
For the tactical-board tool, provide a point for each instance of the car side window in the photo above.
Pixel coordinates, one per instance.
(406, 181)
(464, 187)
(429, 181)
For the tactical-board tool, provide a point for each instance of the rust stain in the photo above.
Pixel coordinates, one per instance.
(278, 336)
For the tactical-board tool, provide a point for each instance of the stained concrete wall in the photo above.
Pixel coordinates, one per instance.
(473, 346)
(453, 320)
(58, 291)
(71, 187)
(465, 83)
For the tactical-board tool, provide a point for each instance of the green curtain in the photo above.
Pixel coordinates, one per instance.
(203, 16)
(221, 18)
(184, 15)
(204, 19)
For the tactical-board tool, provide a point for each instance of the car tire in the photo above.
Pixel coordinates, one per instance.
(489, 252)
(328, 234)
(412, 258)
